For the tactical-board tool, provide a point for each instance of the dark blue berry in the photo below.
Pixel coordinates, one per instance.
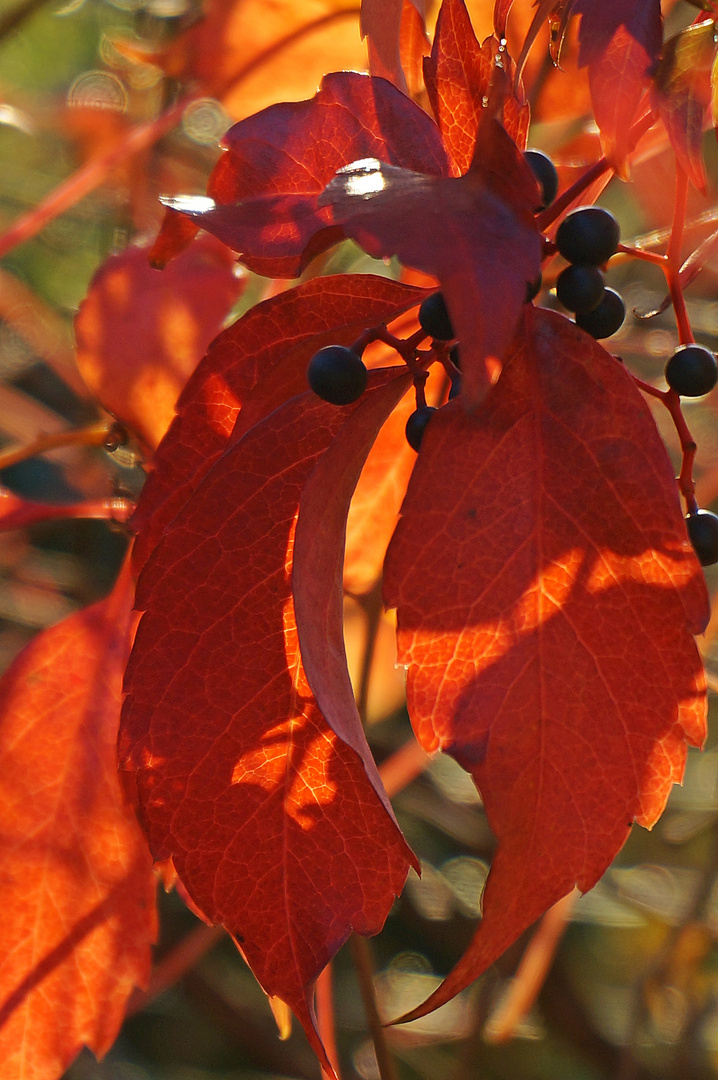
(545, 172)
(588, 236)
(434, 318)
(580, 288)
(416, 425)
(337, 375)
(703, 534)
(692, 371)
(605, 319)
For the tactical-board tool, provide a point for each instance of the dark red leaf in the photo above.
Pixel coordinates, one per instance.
(552, 656)
(475, 233)
(279, 161)
(271, 821)
(269, 348)
(77, 881)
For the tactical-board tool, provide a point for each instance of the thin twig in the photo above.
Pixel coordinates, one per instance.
(403, 766)
(361, 954)
(94, 435)
(673, 259)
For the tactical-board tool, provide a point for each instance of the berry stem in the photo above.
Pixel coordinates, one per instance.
(593, 173)
(673, 259)
(672, 402)
(93, 435)
(640, 253)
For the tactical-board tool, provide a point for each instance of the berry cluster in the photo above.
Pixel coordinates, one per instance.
(587, 238)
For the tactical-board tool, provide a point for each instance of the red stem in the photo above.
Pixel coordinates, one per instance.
(672, 402)
(673, 258)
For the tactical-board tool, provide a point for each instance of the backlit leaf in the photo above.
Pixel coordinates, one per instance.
(141, 332)
(268, 349)
(682, 94)
(381, 25)
(272, 823)
(76, 884)
(620, 41)
(552, 656)
(458, 77)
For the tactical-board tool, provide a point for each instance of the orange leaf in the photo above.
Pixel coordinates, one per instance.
(77, 885)
(552, 655)
(271, 821)
(141, 332)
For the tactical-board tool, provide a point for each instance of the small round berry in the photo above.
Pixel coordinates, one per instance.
(589, 235)
(416, 425)
(337, 375)
(703, 534)
(533, 288)
(605, 319)
(580, 288)
(692, 371)
(434, 318)
(545, 172)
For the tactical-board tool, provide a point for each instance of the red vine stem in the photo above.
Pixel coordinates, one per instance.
(671, 400)
(673, 258)
(93, 435)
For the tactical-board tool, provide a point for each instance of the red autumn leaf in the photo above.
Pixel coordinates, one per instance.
(475, 233)
(682, 94)
(381, 24)
(141, 333)
(77, 884)
(553, 656)
(277, 337)
(271, 821)
(458, 77)
(620, 42)
(318, 564)
(266, 185)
